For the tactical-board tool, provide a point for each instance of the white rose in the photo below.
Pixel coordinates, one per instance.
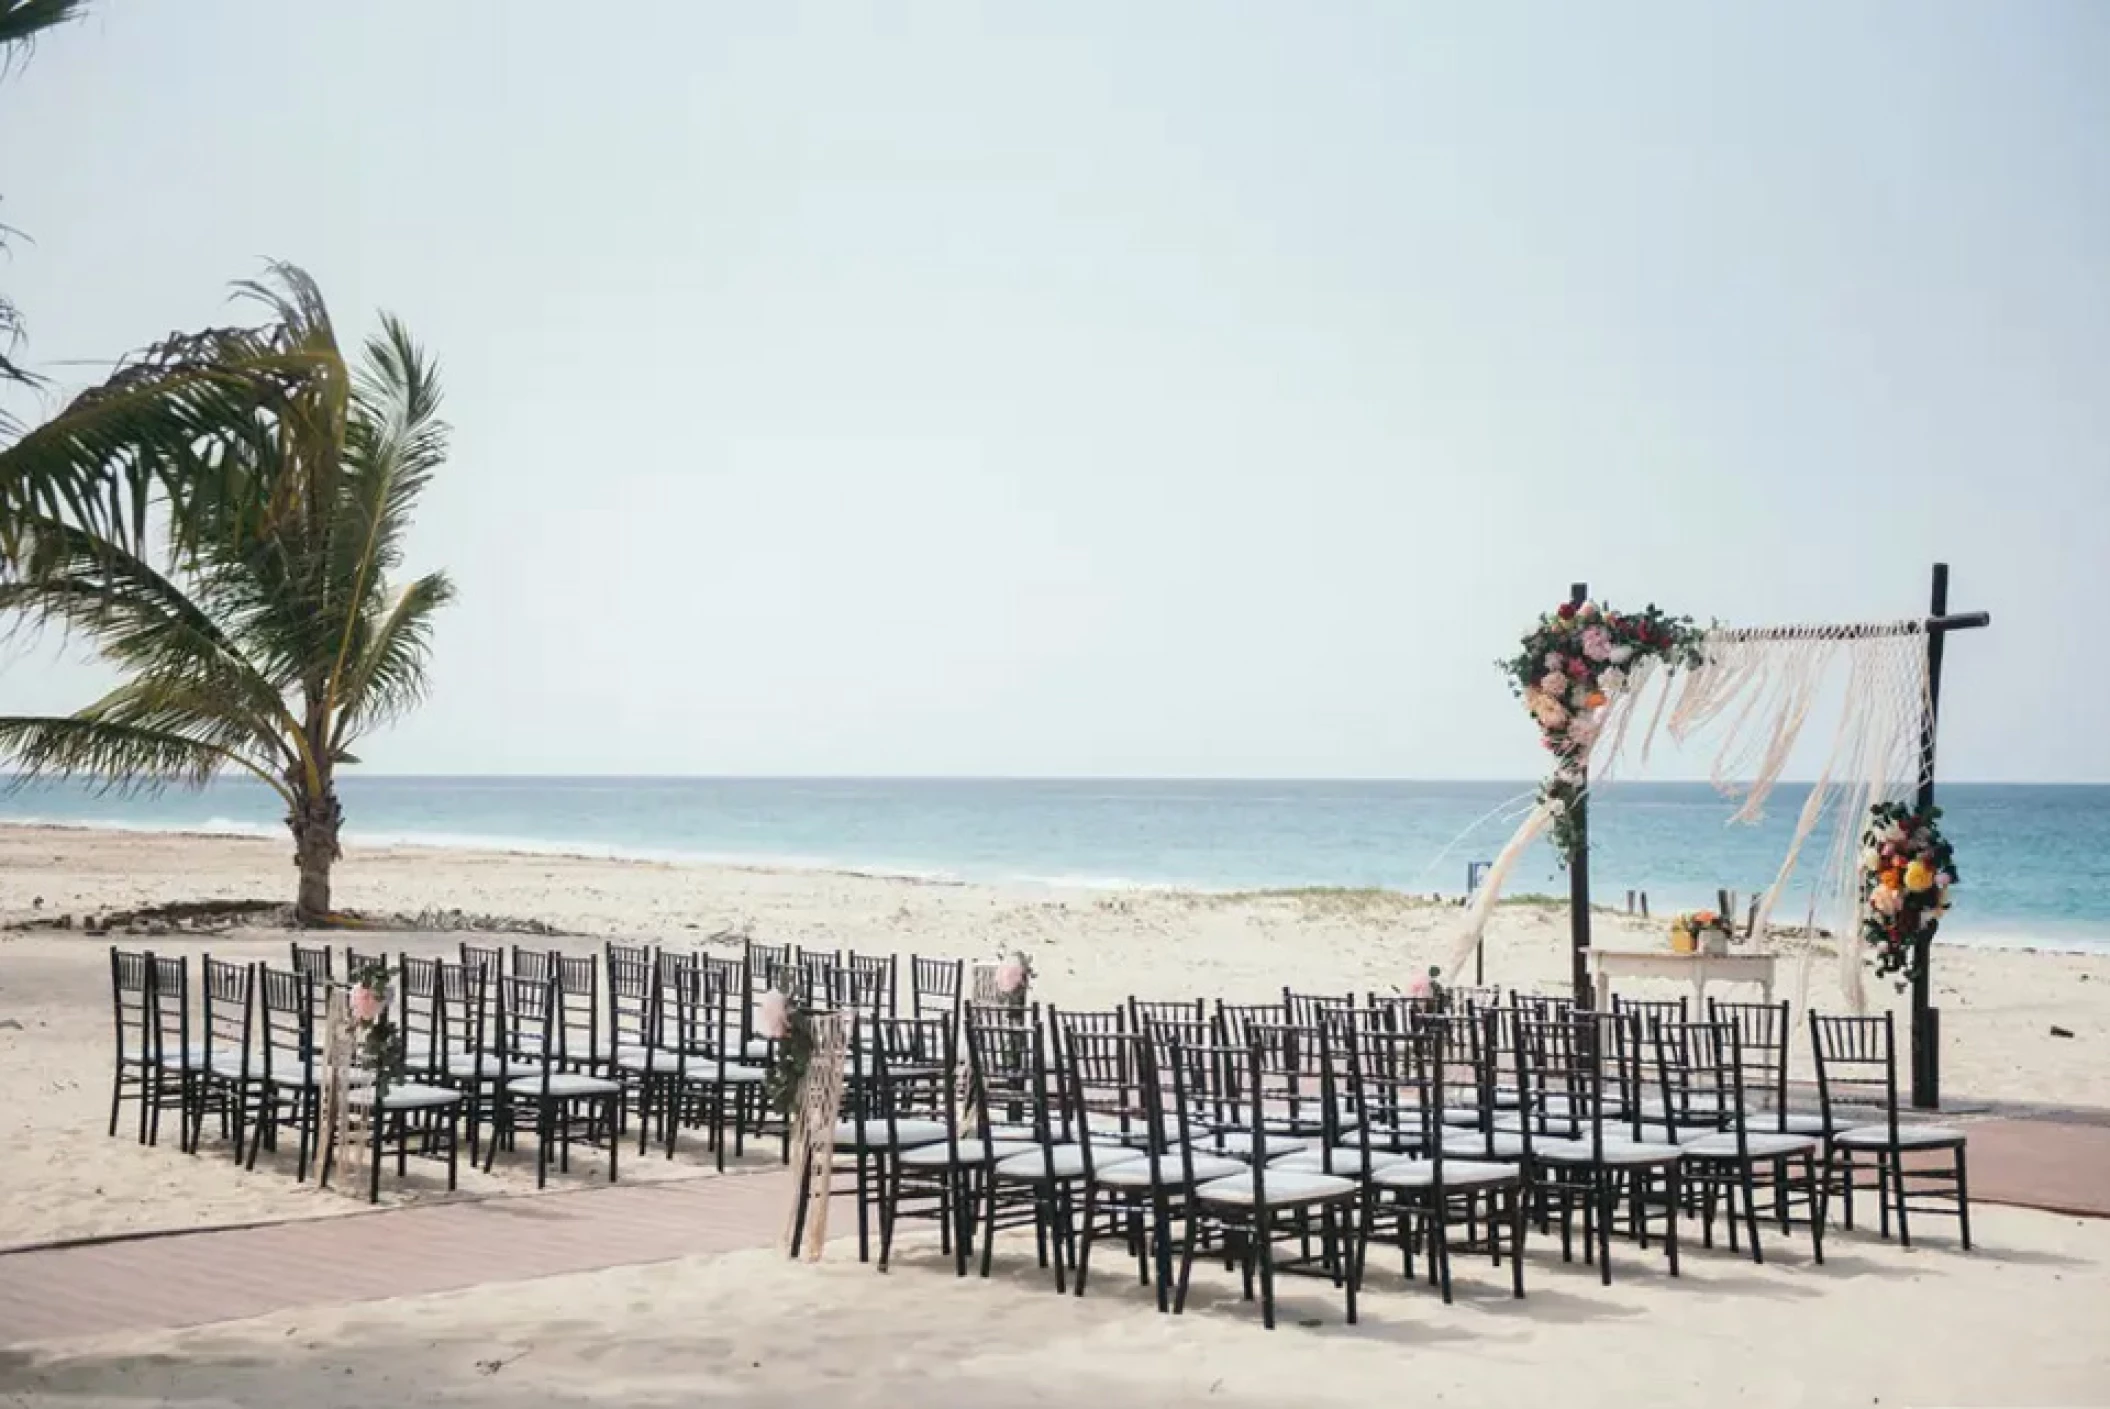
(1871, 860)
(1621, 655)
(1612, 681)
(1554, 683)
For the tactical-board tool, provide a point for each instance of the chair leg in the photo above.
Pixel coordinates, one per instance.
(1674, 1192)
(377, 1138)
(1084, 1245)
(1963, 1198)
(1606, 1198)
(1263, 1236)
(1744, 1181)
(1815, 1193)
(1897, 1184)
(454, 1144)
(117, 1095)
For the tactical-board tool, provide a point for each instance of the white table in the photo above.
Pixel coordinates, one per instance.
(1748, 966)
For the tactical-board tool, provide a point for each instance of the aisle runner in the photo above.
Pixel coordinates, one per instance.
(191, 1279)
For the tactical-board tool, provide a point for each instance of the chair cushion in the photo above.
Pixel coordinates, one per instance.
(1615, 1152)
(407, 1096)
(564, 1083)
(1758, 1143)
(940, 1155)
(1792, 1122)
(658, 1059)
(1170, 1171)
(1457, 1174)
(462, 1066)
(1467, 1116)
(1910, 1137)
(1503, 1144)
(904, 1133)
(1284, 1188)
(1238, 1144)
(1066, 1161)
(1347, 1160)
(705, 1071)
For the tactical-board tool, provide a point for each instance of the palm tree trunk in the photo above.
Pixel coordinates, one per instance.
(315, 822)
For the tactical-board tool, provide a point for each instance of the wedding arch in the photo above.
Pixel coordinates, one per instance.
(1613, 681)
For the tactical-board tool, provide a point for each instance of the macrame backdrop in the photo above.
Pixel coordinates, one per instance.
(1751, 700)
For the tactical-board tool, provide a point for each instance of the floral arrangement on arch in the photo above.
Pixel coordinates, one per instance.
(1907, 867)
(1568, 670)
(374, 1033)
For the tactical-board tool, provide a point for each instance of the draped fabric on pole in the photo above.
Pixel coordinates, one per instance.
(1751, 701)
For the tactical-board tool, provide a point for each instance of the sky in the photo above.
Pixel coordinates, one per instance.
(1181, 389)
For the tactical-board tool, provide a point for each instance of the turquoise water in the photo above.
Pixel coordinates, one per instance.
(2035, 860)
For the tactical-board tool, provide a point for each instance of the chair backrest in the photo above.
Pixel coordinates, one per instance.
(902, 1070)
(1472, 1000)
(1399, 1093)
(864, 983)
(468, 1017)
(936, 987)
(534, 1024)
(1560, 1080)
(1180, 1084)
(229, 1014)
(1233, 1020)
(418, 1013)
(1701, 1076)
(130, 1005)
(1857, 1065)
(487, 959)
(1763, 1031)
(1008, 1071)
(1103, 1077)
(1142, 1013)
(816, 976)
(1650, 1010)
(1402, 1010)
(632, 1011)
(767, 964)
(698, 1003)
(578, 978)
(1066, 1023)
(168, 997)
(534, 965)
(1543, 1007)
(1311, 1009)
(288, 1045)
(316, 960)
(357, 961)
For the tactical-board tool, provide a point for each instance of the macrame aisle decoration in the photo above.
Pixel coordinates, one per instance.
(820, 1103)
(1752, 690)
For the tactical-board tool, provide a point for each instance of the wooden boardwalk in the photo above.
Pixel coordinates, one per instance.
(191, 1279)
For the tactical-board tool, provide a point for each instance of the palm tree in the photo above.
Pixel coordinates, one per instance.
(223, 519)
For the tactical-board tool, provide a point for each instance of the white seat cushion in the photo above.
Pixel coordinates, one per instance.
(1066, 1161)
(1170, 1171)
(1615, 1152)
(1284, 1188)
(408, 1096)
(659, 1059)
(1467, 1116)
(1347, 1160)
(904, 1133)
(1760, 1144)
(1503, 1144)
(1910, 1137)
(1238, 1144)
(1792, 1122)
(705, 1071)
(1457, 1174)
(564, 1083)
(940, 1155)
(462, 1066)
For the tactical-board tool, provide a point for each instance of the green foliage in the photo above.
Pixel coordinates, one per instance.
(794, 1053)
(380, 1040)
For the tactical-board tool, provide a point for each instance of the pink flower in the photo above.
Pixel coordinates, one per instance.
(1578, 668)
(366, 1004)
(1555, 661)
(1597, 643)
(1418, 986)
(1884, 900)
(1943, 880)
(774, 1020)
(1588, 611)
(1011, 975)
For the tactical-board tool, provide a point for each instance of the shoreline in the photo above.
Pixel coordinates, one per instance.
(2002, 935)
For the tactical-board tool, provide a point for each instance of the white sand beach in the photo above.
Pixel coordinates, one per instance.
(67, 1179)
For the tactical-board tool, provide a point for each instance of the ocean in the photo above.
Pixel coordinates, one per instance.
(2034, 860)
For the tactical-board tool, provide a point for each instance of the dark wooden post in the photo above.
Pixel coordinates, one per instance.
(1579, 870)
(1926, 1018)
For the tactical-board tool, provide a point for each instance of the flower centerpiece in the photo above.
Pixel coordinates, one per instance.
(1700, 931)
(1907, 867)
(1014, 979)
(1570, 667)
(375, 1037)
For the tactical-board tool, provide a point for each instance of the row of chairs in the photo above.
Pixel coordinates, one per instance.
(1332, 1125)
(500, 1041)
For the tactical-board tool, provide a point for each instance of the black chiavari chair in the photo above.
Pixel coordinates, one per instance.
(1856, 1060)
(131, 1010)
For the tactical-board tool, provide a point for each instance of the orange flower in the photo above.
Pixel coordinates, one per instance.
(1596, 700)
(1889, 878)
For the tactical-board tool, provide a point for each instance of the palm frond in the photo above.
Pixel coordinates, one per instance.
(22, 20)
(387, 678)
(117, 757)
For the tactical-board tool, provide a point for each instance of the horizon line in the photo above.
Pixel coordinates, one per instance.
(15, 777)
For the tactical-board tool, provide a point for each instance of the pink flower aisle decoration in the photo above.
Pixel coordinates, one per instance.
(1567, 672)
(374, 1031)
(1907, 867)
(785, 1025)
(1014, 976)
